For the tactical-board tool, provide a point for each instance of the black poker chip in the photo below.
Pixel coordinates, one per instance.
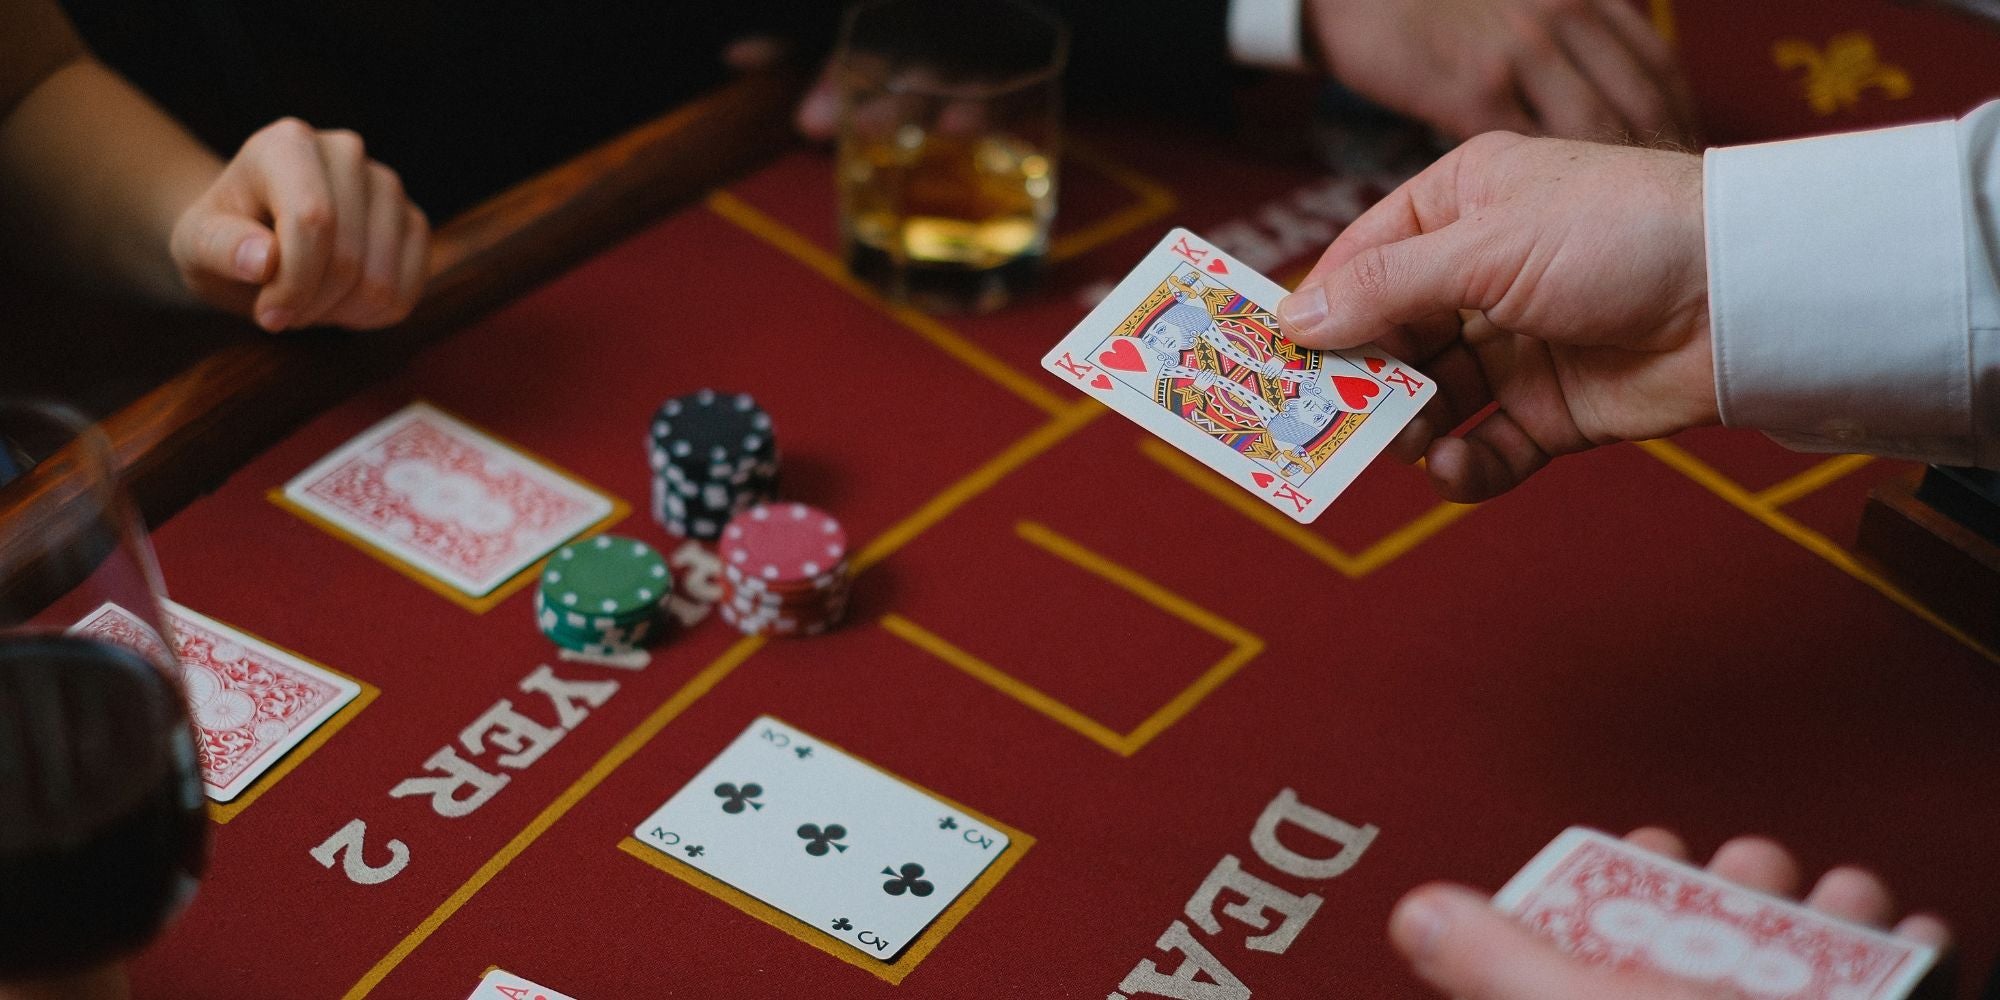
(714, 454)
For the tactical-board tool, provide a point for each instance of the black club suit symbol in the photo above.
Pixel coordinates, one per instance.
(947, 823)
(735, 798)
(819, 839)
(910, 879)
(843, 924)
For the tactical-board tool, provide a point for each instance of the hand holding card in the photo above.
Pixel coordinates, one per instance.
(1188, 346)
(1593, 916)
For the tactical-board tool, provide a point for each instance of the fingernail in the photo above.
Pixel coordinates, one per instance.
(274, 319)
(251, 256)
(1418, 927)
(1302, 311)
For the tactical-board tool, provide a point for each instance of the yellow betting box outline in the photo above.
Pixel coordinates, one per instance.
(1064, 423)
(1155, 202)
(1065, 419)
(789, 242)
(492, 598)
(1244, 647)
(905, 963)
(223, 812)
(1351, 565)
(1764, 506)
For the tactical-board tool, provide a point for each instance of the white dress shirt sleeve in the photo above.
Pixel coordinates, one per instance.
(1852, 291)
(1268, 34)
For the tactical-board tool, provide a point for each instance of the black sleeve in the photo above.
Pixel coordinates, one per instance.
(462, 98)
(1159, 55)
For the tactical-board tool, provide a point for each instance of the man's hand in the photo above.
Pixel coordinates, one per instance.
(1584, 69)
(301, 229)
(1466, 949)
(1574, 68)
(1564, 281)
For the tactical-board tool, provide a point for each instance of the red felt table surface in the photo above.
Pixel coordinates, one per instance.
(1673, 633)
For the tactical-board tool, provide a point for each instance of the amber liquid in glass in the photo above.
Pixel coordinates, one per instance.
(949, 223)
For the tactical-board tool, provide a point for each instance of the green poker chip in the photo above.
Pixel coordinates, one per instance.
(608, 581)
(602, 640)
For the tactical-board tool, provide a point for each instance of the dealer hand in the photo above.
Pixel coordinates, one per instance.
(1565, 282)
(1572, 68)
(1466, 949)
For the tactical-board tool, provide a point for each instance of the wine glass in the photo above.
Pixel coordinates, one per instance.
(102, 828)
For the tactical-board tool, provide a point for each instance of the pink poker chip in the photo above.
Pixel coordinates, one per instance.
(783, 542)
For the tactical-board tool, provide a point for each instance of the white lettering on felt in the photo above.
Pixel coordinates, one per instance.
(347, 846)
(456, 786)
(1261, 905)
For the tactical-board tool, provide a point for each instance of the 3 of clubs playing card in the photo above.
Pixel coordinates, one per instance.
(1188, 346)
(825, 837)
(251, 701)
(1607, 901)
(453, 503)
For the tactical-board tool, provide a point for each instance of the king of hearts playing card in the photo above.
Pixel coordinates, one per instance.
(1189, 347)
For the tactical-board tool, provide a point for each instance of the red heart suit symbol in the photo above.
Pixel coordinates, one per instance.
(1123, 355)
(1102, 381)
(1355, 392)
(1376, 365)
(1216, 266)
(1262, 479)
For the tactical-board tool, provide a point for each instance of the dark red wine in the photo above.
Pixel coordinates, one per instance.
(102, 823)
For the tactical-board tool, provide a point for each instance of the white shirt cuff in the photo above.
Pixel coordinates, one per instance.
(1837, 292)
(1268, 34)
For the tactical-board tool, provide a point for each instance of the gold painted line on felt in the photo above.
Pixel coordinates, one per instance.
(793, 245)
(483, 603)
(1156, 200)
(992, 676)
(1395, 544)
(1246, 644)
(1076, 554)
(1682, 461)
(1403, 539)
(1811, 480)
(1065, 423)
(1070, 420)
(1192, 695)
(620, 752)
(223, 812)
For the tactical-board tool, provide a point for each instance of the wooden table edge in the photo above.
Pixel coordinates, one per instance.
(183, 438)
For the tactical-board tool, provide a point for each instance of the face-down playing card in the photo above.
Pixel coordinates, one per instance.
(446, 500)
(847, 849)
(251, 701)
(1608, 902)
(1188, 346)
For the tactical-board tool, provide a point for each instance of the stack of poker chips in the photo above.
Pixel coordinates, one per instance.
(603, 596)
(784, 571)
(713, 457)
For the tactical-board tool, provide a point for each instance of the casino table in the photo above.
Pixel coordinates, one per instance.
(1073, 632)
